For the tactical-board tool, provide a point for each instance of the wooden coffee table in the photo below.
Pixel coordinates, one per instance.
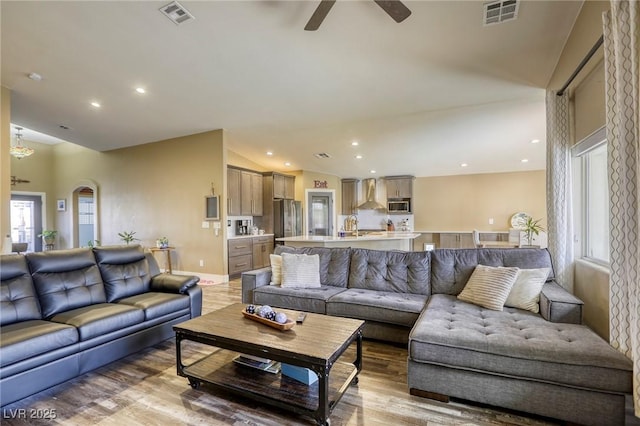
(317, 344)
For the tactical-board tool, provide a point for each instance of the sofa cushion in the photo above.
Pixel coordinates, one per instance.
(525, 293)
(155, 305)
(276, 269)
(300, 270)
(103, 318)
(18, 301)
(516, 343)
(381, 306)
(65, 279)
(451, 268)
(124, 269)
(26, 339)
(393, 271)
(489, 286)
(301, 299)
(334, 263)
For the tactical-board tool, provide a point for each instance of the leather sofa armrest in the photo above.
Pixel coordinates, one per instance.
(252, 280)
(558, 305)
(170, 283)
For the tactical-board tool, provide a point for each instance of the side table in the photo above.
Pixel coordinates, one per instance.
(167, 251)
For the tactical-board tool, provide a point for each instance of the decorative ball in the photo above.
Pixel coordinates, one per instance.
(251, 309)
(281, 317)
(262, 310)
(271, 316)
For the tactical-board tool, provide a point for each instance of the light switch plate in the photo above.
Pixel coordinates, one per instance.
(205, 224)
(216, 225)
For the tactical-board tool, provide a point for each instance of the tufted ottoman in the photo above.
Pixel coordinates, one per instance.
(518, 360)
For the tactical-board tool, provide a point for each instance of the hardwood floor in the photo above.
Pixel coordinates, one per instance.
(144, 389)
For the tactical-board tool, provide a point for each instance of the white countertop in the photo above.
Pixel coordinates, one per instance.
(372, 236)
(237, 237)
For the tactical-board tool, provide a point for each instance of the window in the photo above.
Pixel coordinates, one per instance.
(592, 201)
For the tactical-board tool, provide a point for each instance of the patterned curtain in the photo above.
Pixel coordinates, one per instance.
(622, 55)
(559, 211)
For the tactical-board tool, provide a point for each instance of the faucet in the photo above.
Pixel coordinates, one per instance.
(351, 222)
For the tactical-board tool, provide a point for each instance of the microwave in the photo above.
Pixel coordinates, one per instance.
(399, 206)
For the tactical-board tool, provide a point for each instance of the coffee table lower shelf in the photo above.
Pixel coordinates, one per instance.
(219, 370)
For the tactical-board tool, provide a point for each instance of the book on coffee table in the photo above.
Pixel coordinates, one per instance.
(269, 366)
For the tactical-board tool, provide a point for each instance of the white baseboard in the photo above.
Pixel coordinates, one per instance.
(206, 278)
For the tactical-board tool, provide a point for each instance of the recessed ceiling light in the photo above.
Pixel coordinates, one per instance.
(463, 165)
(95, 104)
(372, 171)
(269, 153)
(287, 164)
(140, 90)
(355, 143)
(535, 140)
(358, 156)
(524, 160)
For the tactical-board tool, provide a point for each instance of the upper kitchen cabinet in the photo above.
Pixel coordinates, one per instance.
(349, 196)
(244, 189)
(234, 187)
(399, 186)
(281, 187)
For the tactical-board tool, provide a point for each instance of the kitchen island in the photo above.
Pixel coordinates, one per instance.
(371, 240)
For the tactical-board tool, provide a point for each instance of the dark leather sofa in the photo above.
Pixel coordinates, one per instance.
(66, 312)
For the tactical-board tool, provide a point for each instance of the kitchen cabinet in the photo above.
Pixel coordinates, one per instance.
(240, 255)
(349, 196)
(262, 248)
(456, 240)
(283, 186)
(399, 186)
(234, 185)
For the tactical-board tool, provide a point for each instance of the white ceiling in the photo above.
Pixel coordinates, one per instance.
(421, 97)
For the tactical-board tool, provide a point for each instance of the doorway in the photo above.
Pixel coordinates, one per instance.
(26, 220)
(320, 216)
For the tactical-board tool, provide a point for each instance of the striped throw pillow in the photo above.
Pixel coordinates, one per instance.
(489, 286)
(300, 270)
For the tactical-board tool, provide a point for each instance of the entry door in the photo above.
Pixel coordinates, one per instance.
(320, 210)
(26, 220)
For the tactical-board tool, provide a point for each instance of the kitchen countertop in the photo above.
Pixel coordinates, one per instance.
(237, 237)
(371, 236)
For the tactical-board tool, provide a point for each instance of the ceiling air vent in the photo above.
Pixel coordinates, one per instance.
(176, 12)
(500, 11)
(322, 155)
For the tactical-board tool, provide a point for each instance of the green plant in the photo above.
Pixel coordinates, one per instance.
(127, 237)
(93, 243)
(163, 240)
(531, 228)
(48, 235)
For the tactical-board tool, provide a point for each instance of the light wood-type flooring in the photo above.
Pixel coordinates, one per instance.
(144, 389)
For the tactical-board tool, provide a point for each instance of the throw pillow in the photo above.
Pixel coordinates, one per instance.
(489, 286)
(276, 269)
(525, 293)
(300, 270)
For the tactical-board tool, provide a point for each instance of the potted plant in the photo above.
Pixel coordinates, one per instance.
(531, 228)
(162, 242)
(49, 236)
(127, 237)
(93, 243)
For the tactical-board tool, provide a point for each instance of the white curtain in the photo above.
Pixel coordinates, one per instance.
(559, 211)
(622, 54)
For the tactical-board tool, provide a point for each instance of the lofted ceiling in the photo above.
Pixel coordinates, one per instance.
(421, 97)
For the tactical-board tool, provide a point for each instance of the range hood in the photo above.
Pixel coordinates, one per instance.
(369, 192)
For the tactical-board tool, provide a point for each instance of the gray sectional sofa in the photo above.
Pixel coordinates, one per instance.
(66, 312)
(543, 363)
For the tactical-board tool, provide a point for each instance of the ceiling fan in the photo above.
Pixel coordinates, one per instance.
(394, 8)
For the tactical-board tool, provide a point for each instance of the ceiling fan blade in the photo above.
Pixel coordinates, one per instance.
(318, 16)
(398, 11)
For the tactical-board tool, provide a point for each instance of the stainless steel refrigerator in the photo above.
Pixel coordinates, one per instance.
(287, 218)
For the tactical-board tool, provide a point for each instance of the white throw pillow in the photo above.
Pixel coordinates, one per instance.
(300, 270)
(276, 269)
(489, 286)
(525, 293)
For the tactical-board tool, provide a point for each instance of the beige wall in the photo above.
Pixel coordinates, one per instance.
(587, 94)
(5, 166)
(466, 202)
(235, 159)
(155, 189)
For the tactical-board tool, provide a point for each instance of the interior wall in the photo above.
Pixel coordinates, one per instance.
(235, 159)
(5, 166)
(157, 189)
(466, 202)
(594, 292)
